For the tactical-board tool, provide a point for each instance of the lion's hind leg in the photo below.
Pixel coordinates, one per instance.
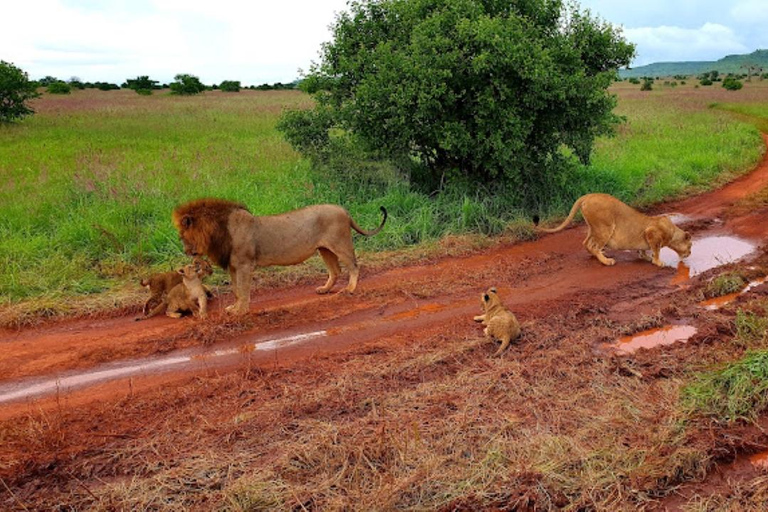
(596, 242)
(332, 263)
(346, 254)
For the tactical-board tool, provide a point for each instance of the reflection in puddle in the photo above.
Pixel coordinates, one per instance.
(654, 338)
(760, 460)
(27, 389)
(706, 253)
(718, 302)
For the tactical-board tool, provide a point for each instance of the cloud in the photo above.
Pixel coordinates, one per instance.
(751, 12)
(255, 42)
(668, 43)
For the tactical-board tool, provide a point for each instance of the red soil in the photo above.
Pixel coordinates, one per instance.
(553, 273)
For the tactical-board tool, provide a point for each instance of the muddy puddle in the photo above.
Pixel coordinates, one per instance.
(719, 302)
(707, 253)
(651, 338)
(759, 460)
(188, 359)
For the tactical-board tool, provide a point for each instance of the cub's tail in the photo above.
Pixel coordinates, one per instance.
(373, 232)
(574, 210)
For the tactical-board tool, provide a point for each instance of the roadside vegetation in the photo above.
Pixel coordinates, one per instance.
(90, 181)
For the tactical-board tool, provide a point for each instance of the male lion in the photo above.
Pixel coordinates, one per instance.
(160, 284)
(188, 296)
(501, 323)
(613, 224)
(235, 239)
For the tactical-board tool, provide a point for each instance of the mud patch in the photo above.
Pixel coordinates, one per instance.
(707, 253)
(651, 338)
(186, 359)
(760, 460)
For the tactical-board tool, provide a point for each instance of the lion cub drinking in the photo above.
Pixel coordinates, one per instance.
(613, 224)
(188, 296)
(501, 323)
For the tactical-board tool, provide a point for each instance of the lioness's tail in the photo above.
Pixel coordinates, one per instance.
(369, 233)
(574, 210)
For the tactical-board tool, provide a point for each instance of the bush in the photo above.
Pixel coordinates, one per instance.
(732, 83)
(141, 83)
(186, 84)
(647, 85)
(144, 92)
(635, 81)
(15, 91)
(230, 86)
(705, 82)
(105, 86)
(59, 88)
(451, 86)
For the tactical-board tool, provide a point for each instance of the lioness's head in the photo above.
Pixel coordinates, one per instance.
(490, 299)
(202, 227)
(680, 242)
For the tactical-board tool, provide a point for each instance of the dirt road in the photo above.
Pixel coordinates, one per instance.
(73, 363)
(67, 359)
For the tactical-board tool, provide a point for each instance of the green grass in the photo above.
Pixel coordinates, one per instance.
(737, 391)
(89, 182)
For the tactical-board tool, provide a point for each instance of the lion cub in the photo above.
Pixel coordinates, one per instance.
(160, 284)
(189, 295)
(501, 323)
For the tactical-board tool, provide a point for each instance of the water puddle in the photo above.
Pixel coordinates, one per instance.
(63, 384)
(707, 253)
(651, 338)
(718, 302)
(760, 460)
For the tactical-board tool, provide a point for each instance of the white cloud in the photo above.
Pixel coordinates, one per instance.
(752, 12)
(254, 42)
(667, 43)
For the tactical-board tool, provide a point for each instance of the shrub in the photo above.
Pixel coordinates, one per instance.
(634, 80)
(59, 88)
(186, 84)
(230, 86)
(15, 91)
(732, 83)
(647, 85)
(144, 92)
(141, 83)
(705, 82)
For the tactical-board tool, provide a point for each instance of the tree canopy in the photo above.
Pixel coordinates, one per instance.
(15, 91)
(186, 84)
(484, 89)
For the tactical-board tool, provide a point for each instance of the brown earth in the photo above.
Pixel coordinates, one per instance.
(56, 446)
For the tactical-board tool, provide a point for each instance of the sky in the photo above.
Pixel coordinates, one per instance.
(268, 41)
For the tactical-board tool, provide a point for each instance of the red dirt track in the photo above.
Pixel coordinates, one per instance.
(532, 277)
(399, 306)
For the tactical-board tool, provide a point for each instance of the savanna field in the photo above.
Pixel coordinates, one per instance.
(421, 420)
(89, 182)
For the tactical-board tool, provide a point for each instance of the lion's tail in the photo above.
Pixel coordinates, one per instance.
(574, 210)
(373, 232)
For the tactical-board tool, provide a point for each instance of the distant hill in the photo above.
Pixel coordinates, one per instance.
(729, 64)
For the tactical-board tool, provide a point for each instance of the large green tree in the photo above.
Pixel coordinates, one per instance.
(484, 89)
(15, 90)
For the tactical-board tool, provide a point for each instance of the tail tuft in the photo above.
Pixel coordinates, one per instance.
(536, 220)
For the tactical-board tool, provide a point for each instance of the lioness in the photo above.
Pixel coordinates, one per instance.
(188, 296)
(235, 239)
(501, 323)
(613, 224)
(161, 284)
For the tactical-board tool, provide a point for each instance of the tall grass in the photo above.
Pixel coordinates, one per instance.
(89, 182)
